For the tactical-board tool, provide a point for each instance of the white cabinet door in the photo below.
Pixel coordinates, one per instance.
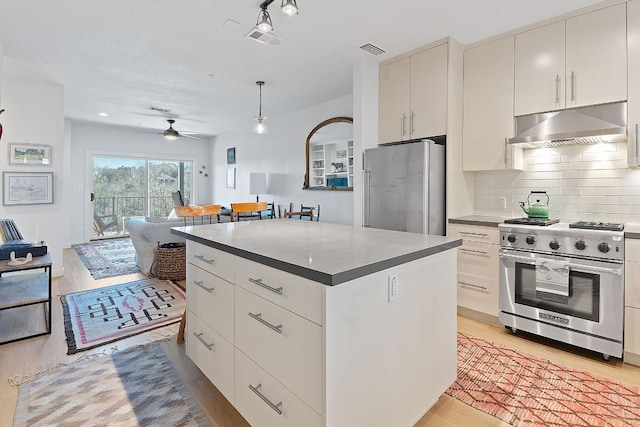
(540, 69)
(488, 108)
(429, 93)
(395, 100)
(633, 102)
(597, 57)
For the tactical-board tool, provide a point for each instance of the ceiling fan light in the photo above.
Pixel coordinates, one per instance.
(264, 23)
(289, 7)
(260, 125)
(171, 137)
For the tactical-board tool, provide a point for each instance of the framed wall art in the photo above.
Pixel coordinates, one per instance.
(231, 156)
(27, 188)
(29, 154)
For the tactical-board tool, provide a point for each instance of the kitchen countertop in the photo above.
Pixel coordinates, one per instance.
(632, 231)
(327, 253)
(481, 220)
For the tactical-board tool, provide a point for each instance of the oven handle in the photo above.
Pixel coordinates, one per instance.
(575, 267)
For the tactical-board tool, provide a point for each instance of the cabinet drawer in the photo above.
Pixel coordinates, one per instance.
(475, 233)
(297, 294)
(632, 250)
(256, 406)
(212, 260)
(478, 259)
(211, 299)
(286, 345)
(632, 330)
(632, 284)
(212, 354)
(478, 293)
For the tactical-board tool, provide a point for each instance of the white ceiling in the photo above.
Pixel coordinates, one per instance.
(124, 56)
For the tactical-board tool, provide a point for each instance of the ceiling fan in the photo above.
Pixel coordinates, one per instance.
(171, 134)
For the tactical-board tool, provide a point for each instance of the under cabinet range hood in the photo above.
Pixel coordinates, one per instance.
(582, 125)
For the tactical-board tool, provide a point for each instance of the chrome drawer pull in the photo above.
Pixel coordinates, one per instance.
(204, 343)
(275, 407)
(483, 288)
(259, 318)
(203, 259)
(474, 234)
(471, 251)
(259, 282)
(200, 285)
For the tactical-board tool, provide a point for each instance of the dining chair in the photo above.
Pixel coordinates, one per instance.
(311, 212)
(200, 211)
(247, 210)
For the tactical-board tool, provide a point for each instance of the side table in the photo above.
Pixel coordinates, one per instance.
(25, 289)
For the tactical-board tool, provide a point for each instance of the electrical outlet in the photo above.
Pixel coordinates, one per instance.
(503, 202)
(393, 287)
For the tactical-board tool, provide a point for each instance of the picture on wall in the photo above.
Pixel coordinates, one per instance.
(231, 156)
(29, 154)
(27, 188)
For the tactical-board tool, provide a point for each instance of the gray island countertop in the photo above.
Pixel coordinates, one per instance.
(327, 253)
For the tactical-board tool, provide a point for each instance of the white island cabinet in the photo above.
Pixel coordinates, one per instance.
(295, 322)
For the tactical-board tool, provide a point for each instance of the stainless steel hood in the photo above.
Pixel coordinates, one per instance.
(583, 125)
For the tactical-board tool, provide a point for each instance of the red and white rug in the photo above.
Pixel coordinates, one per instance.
(525, 390)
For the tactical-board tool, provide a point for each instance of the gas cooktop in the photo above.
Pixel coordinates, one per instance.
(593, 225)
(543, 222)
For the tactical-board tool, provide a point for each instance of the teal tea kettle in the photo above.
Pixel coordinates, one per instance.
(538, 209)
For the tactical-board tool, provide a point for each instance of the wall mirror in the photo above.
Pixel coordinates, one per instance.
(329, 155)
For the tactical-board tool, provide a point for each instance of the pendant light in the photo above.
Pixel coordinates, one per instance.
(264, 23)
(259, 123)
(289, 7)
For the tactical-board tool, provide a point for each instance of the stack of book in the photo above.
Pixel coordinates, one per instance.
(12, 241)
(9, 231)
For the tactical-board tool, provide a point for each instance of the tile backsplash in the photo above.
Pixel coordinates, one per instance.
(584, 182)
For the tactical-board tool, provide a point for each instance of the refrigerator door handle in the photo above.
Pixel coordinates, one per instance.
(366, 177)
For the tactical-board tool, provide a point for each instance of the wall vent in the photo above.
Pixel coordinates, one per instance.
(372, 49)
(266, 38)
(160, 110)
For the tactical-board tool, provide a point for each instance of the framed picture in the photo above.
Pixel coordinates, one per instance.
(29, 154)
(231, 156)
(27, 188)
(341, 154)
(231, 178)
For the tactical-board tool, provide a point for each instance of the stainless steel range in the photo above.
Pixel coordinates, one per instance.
(565, 282)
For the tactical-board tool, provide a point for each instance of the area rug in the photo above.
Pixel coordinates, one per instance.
(134, 387)
(108, 258)
(100, 316)
(524, 390)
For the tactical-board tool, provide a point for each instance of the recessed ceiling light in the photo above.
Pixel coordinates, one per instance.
(103, 114)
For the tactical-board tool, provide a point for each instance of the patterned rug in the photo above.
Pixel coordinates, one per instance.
(524, 390)
(134, 387)
(100, 316)
(108, 258)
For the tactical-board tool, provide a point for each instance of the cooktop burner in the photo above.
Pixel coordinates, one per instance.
(593, 225)
(543, 222)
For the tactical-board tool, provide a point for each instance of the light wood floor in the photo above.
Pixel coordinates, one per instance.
(27, 357)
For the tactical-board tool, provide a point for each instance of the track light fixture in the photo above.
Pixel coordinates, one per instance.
(289, 7)
(259, 123)
(264, 24)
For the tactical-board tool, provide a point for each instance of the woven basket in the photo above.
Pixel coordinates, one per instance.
(171, 262)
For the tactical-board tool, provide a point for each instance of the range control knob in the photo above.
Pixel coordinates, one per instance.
(604, 247)
(512, 238)
(581, 245)
(555, 245)
(530, 240)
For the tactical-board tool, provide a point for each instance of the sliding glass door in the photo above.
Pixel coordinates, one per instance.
(128, 187)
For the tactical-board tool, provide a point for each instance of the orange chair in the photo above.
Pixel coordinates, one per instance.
(247, 210)
(198, 211)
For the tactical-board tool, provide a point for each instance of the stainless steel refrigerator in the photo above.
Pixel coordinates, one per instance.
(404, 187)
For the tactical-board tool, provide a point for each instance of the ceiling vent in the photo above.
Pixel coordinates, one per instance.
(160, 110)
(262, 37)
(372, 49)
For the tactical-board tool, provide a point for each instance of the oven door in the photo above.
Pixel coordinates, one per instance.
(592, 301)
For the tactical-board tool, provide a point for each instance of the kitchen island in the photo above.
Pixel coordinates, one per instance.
(317, 324)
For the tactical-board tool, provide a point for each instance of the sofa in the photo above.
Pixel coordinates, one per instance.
(145, 234)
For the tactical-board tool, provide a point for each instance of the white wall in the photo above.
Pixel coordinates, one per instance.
(281, 155)
(584, 182)
(86, 138)
(35, 115)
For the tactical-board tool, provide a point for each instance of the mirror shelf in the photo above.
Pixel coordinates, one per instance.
(329, 155)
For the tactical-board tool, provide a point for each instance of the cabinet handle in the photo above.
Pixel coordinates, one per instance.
(471, 251)
(468, 233)
(557, 89)
(203, 259)
(259, 282)
(636, 142)
(573, 86)
(471, 285)
(204, 343)
(412, 128)
(200, 285)
(404, 118)
(275, 407)
(506, 147)
(259, 318)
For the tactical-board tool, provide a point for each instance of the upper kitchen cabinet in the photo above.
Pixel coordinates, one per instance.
(633, 102)
(488, 108)
(577, 62)
(413, 96)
